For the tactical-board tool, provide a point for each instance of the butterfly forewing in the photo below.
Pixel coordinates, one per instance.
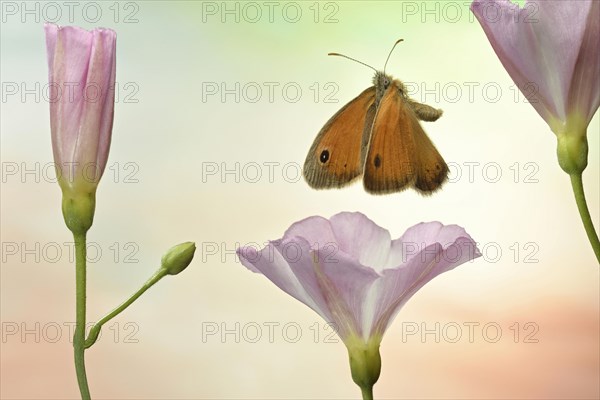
(337, 154)
(391, 157)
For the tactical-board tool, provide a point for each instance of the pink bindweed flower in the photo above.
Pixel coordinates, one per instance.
(551, 50)
(82, 78)
(352, 274)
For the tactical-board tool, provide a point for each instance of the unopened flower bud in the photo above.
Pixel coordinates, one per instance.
(178, 258)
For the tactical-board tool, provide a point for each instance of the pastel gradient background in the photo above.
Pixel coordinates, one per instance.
(537, 282)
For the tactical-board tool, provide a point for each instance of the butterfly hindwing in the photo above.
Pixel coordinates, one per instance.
(432, 170)
(338, 152)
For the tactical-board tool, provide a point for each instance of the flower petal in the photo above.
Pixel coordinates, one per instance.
(68, 74)
(352, 232)
(342, 283)
(527, 41)
(271, 263)
(331, 283)
(361, 238)
(584, 94)
(51, 35)
(434, 249)
(82, 77)
(316, 230)
(92, 148)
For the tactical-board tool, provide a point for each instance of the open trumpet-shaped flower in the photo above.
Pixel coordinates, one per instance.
(350, 272)
(82, 78)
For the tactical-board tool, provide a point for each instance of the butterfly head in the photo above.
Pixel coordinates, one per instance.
(382, 81)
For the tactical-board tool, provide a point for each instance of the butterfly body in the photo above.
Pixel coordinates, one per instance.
(377, 135)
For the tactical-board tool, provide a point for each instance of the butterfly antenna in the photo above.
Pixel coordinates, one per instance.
(350, 58)
(388, 57)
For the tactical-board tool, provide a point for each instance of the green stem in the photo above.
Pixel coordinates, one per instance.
(577, 183)
(95, 331)
(367, 393)
(80, 293)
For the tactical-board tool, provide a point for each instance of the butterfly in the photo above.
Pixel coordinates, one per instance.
(377, 135)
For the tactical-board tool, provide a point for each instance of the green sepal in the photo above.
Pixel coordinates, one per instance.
(78, 210)
(365, 362)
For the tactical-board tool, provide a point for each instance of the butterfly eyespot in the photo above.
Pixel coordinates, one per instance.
(377, 161)
(324, 157)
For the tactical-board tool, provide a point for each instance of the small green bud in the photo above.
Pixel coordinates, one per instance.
(178, 258)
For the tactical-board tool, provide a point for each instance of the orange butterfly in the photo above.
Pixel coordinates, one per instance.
(377, 135)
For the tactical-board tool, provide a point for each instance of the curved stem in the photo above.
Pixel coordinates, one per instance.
(80, 294)
(577, 184)
(95, 331)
